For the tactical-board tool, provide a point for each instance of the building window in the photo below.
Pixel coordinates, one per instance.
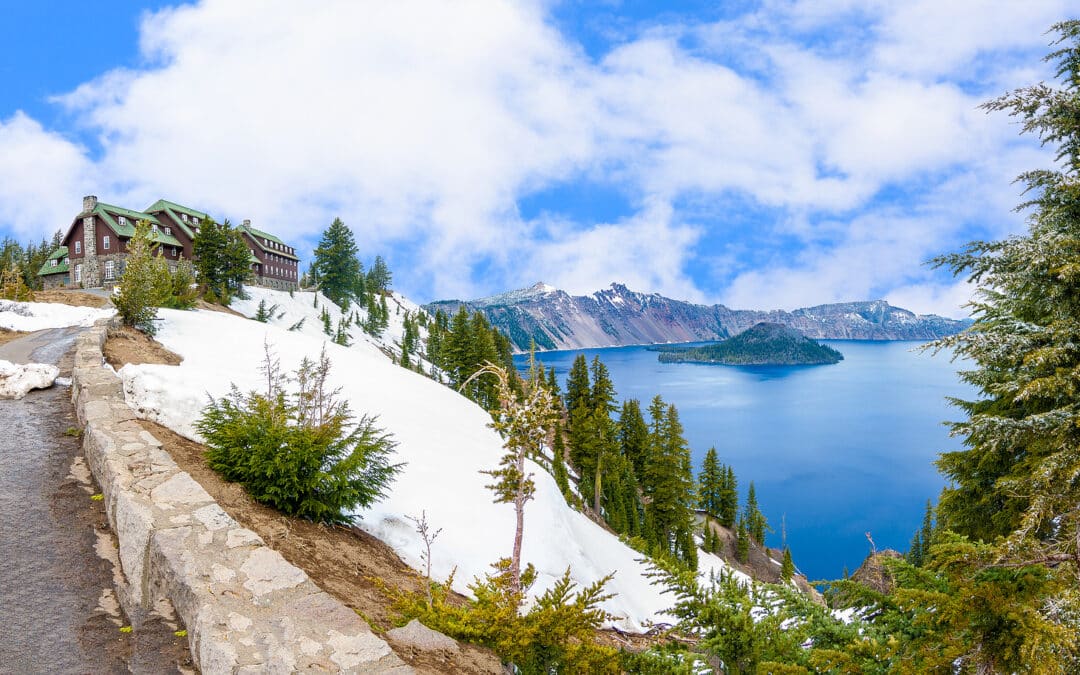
(110, 270)
(123, 220)
(55, 263)
(183, 216)
(105, 242)
(78, 274)
(174, 251)
(168, 231)
(78, 247)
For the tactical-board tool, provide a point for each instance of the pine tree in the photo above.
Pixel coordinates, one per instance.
(336, 265)
(261, 315)
(558, 462)
(144, 285)
(222, 258)
(13, 287)
(379, 277)
(669, 482)
(633, 436)
(711, 484)
(327, 324)
(742, 541)
(729, 499)
(787, 567)
(755, 519)
(577, 384)
(524, 424)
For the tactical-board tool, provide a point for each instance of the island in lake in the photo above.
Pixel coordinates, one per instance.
(764, 344)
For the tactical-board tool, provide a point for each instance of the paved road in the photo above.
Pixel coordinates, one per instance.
(58, 612)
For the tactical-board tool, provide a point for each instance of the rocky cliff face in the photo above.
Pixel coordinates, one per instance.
(618, 316)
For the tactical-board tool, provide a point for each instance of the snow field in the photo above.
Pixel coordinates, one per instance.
(443, 439)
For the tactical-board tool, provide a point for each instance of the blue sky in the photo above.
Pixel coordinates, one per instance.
(766, 154)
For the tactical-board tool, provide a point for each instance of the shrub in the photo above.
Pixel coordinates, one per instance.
(299, 451)
(556, 635)
(183, 292)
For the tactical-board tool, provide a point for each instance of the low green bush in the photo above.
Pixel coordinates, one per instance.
(301, 451)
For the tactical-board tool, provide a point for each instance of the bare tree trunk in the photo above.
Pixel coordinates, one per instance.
(596, 487)
(519, 514)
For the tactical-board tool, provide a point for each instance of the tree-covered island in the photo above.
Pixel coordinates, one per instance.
(764, 344)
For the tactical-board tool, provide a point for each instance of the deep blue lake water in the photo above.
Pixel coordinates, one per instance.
(834, 451)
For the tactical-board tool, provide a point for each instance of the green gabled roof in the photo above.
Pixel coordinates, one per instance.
(108, 211)
(61, 267)
(173, 209)
(259, 236)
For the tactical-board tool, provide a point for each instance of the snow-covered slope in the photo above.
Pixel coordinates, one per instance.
(443, 438)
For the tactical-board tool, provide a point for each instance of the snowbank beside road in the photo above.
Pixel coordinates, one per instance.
(16, 380)
(32, 316)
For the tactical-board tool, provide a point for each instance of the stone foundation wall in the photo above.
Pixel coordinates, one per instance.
(245, 607)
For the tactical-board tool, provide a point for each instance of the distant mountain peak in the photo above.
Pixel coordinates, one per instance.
(616, 316)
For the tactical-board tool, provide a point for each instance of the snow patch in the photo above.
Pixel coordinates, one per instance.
(33, 316)
(18, 379)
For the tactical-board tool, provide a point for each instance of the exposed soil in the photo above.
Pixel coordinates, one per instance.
(71, 297)
(343, 561)
(203, 304)
(760, 562)
(9, 335)
(126, 345)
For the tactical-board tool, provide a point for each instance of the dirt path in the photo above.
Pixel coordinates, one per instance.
(57, 606)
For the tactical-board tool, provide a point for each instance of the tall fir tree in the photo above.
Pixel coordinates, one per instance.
(336, 265)
(223, 260)
(755, 519)
(729, 499)
(711, 484)
(633, 436)
(669, 483)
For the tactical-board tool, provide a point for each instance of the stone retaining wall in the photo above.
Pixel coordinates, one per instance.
(245, 607)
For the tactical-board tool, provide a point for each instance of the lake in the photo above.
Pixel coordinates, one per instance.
(834, 451)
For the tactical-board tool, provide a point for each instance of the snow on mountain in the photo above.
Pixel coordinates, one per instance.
(443, 439)
(553, 319)
(32, 316)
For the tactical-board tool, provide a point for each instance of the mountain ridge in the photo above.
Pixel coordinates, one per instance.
(617, 316)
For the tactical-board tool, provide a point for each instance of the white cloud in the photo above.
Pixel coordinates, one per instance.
(42, 178)
(422, 124)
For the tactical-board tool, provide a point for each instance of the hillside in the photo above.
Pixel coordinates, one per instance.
(443, 438)
(619, 316)
(764, 344)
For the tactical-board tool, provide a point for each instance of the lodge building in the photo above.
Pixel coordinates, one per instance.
(94, 249)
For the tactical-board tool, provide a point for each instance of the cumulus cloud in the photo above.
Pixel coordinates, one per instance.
(424, 124)
(42, 176)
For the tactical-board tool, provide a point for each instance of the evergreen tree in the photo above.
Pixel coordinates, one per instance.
(1016, 476)
(558, 462)
(336, 265)
(261, 314)
(742, 541)
(577, 384)
(669, 483)
(633, 436)
(787, 567)
(711, 484)
(379, 277)
(13, 286)
(755, 519)
(144, 285)
(729, 499)
(222, 258)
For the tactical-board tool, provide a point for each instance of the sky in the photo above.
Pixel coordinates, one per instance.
(772, 154)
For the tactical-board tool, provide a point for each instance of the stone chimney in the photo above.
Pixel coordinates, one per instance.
(89, 202)
(246, 223)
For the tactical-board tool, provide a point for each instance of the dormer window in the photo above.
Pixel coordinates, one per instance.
(183, 216)
(168, 230)
(122, 220)
(55, 263)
